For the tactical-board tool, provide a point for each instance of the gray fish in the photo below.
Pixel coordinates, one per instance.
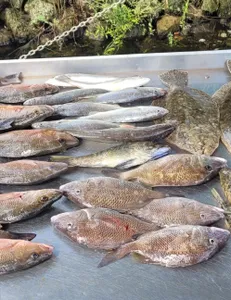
(80, 109)
(11, 79)
(131, 95)
(191, 109)
(64, 97)
(127, 133)
(173, 211)
(179, 246)
(27, 172)
(16, 235)
(131, 114)
(19, 93)
(121, 157)
(100, 228)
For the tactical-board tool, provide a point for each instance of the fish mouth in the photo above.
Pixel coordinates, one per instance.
(222, 235)
(161, 152)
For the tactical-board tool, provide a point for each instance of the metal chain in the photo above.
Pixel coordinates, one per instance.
(73, 29)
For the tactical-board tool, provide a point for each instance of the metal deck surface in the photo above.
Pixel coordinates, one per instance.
(72, 273)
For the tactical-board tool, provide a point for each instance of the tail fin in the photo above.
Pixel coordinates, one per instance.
(111, 173)
(115, 255)
(67, 159)
(21, 236)
(6, 124)
(228, 64)
(174, 78)
(12, 79)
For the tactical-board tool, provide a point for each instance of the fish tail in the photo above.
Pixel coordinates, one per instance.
(174, 78)
(116, 174)
(22, 236)
(116, 255)
(71, 161)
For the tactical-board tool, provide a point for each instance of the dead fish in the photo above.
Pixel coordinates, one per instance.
(108, 83)
(23, 255)
(80, 109)
(228, 63)
(18, 206)
(131, 95)
(175, 170)
(75, 126)
(191, 109)
(179, 246)
(121, 157)
(108, 193)
(127, 133)
(173, 211)
(27, 172)
(19, 93)
(6, 124)
(16, 116)
(11, 79)
(130, 114)
(26, 143)
(63, 97)
(100, 228)
(225, 180)
(16, 235)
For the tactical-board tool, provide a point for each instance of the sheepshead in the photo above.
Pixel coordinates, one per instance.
(25, 143)
(27, 172)
(131, 114)
(18, 206)
(108, 193)
(191, 109)
(108, 83)
(11, 79)
(131, 95)
(80, 109)
(121, 157)
(175, 170)
(19, 93)
(63, 97)
(127, 133)
(100, 228)
(17, 116)
(16, 235)
(23, 255)
(225, 180)
(75, 126)
(173, 211)
(179, 246)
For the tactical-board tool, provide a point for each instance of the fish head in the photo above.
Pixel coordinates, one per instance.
(66, 139)
(211, 165)
(51, 89)
(29, 254)
(217, 237)
(74, 191)
(159, 92)
(43, 111)
(56, 167)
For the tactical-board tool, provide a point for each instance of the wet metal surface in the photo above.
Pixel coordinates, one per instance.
(72, 273)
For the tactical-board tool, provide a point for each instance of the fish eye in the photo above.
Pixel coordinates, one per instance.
(34, 256)
(211, 241)
(44, 198)
(69, 226)
(202, 216)
(62, 141)
(208, 168)
(77, 191)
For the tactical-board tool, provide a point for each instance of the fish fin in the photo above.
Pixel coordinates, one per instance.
(111, 173)
(125, 125)
(228, 64)
(22, 236)
(126, 164)
(136, 235)
(177, 78)
(12, 79)
(66, 159)
(115, 255)
(6, 124)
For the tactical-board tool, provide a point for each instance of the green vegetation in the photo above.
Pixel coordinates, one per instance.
(184, 14)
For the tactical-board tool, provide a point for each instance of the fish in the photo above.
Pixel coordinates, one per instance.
(108, 83)
(80, 109)
(228, 64)
(11, 79)
(63, 97)
(109, 193)
(27, 172)
(127, 133)
(121, 157)
(191, 109)
(172, 211)
(6, 124)
(174, 170)
(16, 235)
(133, 114)
(18, 116)
(130, 95)
(100, 228)
(225, 181)
(18, 206)
(19, 93)
(75, 126)
(179, 246)
(26, 143)
(23, 255)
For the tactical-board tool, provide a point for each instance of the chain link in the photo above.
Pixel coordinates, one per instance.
(73, 29)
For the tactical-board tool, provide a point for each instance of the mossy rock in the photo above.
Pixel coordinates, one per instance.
(175, 6)
(222, 7)
(40, 11)
(148, 8)
(6, 37)
(168, 24)
(66, 21)
(16, 3)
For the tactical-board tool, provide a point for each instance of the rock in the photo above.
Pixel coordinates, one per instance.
(202, 41)
(210, 6)
(17, 3)
(6, 37)
(168, 24)
(136, 32)
(68, 20)
(40, 11)
(223, 7)
(175, 5)
(223, 35)
(148, 8)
